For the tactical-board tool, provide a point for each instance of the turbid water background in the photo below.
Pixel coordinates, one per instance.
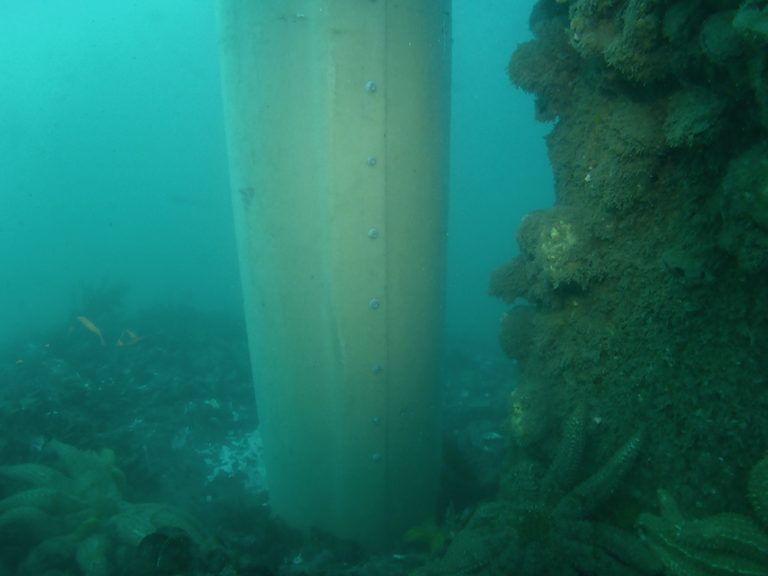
(113, 167)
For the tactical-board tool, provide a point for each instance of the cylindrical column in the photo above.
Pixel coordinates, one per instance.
(337, 120)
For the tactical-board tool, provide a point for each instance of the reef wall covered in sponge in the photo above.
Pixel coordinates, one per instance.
(642, 294)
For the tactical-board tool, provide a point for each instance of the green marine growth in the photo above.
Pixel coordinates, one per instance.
(744, 208)
(550, 522)
(71, 515)
(722, 544)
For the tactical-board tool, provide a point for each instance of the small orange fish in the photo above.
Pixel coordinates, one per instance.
(91, 327)
(128, 338)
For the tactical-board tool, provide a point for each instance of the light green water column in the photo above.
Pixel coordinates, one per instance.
(337, 120)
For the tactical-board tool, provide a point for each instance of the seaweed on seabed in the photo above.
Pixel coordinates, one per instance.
(70, 514)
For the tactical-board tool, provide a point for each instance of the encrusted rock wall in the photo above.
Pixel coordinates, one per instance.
(642, 294)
